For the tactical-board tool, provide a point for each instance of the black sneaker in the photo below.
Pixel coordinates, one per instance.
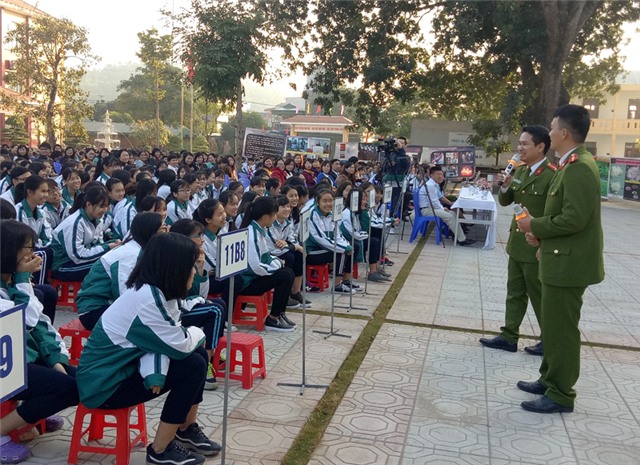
(343, 289)
(352, 285)
(278, 325)
(174, 454)
(286, 319)
(298, 297)
(312, 289)
(293, 303)
(466, 242)
(194, 439)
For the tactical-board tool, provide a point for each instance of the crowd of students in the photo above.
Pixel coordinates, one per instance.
(139, 231)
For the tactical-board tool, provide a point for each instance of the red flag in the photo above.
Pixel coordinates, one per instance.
(319, 109)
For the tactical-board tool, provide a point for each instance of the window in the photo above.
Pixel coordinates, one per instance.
(593, 105)
(633, 110)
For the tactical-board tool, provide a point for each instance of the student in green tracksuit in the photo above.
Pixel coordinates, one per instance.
(569, 234)
(528, 186)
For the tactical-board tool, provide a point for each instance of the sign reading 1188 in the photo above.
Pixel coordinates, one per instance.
(232, 253)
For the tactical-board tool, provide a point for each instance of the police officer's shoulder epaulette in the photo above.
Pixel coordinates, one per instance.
(552, 167)
(573, 157)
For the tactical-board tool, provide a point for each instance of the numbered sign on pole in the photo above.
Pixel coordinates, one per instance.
(304, 225)
(338, 206)
(233, 253)
(372, 198)
(13, 361)
(355, 201)
(387, 194)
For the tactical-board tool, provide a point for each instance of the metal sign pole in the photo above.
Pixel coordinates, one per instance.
(386, 198)
(225, 408)
(372, 201)
(353, 261)
(402, 191)
(331, 331)
(303, 384)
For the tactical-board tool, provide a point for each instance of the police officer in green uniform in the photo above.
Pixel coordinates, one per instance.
(528, 187)
(569, 235)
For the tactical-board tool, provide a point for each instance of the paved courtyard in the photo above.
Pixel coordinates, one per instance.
(427, 392)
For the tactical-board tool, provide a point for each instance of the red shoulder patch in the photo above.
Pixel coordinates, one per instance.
(573, 157)
(552, 167)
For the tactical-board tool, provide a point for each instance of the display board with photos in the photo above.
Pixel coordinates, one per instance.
(456, 162)
(308, 147)
(624, 178)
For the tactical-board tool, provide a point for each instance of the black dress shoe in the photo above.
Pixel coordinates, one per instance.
(466, 242)
(535, 349)
(544, 405)
(499, 342)
(533, 387)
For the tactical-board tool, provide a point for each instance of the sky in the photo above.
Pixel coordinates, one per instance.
(113, 26)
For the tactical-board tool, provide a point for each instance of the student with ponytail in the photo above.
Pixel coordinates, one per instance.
(230, 202)
(105, 168)
(106, 279)
(265, 271)
(122, 221)
(77, 241)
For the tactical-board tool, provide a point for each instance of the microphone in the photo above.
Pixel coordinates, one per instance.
(513, 164)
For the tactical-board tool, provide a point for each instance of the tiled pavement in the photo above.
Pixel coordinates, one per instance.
(427, 392)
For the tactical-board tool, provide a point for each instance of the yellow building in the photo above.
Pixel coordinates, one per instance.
(615, 125)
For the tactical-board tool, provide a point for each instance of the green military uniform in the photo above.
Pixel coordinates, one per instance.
(570, 234)
(529, 190)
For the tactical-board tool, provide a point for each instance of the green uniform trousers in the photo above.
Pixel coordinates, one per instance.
(522, 285)
(560, 367)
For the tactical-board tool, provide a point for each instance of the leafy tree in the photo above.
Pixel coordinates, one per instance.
(225, 41)
(490, 59)
(145, 133)
(14, 131)
(52, 55)
(491, 136)
(155, 53)
(250, 120)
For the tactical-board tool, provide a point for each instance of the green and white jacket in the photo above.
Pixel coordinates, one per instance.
(78, 239)
(261, 262)
(44, 344)
(36, 220)
(139, 331)
(107, 277)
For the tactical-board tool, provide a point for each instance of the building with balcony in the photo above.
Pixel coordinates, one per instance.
(615, 123)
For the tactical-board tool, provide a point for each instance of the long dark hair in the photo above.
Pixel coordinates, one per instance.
(145, 187)
(144, 226)
(14, 236)
(258, 208)
(169, 272)
(96, 195)
(32, 183)
(205, 211)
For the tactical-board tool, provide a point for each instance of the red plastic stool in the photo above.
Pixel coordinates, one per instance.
(123, 425)
(355, 270)
(66, 296)
(244, 344)
(247, 316)
(77, 333)
(321, 279)
(9, 406)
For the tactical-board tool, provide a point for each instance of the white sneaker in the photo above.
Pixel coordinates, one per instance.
(343, 289)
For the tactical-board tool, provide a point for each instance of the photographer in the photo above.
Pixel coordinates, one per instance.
(395, 168)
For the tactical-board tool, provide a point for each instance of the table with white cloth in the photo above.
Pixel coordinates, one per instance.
(480, 208)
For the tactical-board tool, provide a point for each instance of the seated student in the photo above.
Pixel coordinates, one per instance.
(434, 203)
(230, 202)
(71, 184)
(321, 242)
(165, 178)
(257, 185)
(51, 385)
(105, 281)
(196, 184)
(216, 187)
(237, 188)
(197, 309)
(265, 271)
(55, 209)
(178, 207)
(247, 199)
(109, 375)
(283, 243)
(105, 168)
(155, 204)
(325, 173)
(122, 221)
(376, 215)
(355, 224)
(291, 192)
(78, 241)
(31, 195)
(272, 187)
(17, 175)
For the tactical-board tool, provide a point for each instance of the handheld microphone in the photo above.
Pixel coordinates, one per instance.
(513, 164)
(519, 211)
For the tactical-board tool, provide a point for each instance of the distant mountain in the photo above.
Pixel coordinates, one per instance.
(102, 83)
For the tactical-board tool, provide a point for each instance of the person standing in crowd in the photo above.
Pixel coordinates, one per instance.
(569, 234)
(529, 187)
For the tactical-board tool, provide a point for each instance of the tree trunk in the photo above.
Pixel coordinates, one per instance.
(239, 123)
(157, 85)
(564, 21)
